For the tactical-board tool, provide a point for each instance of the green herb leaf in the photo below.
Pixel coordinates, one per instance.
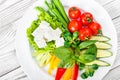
(66, 63)
(92, 49)
(85, 58)
(63, 52)
(85, 44)
(95, 66)
(75, 35)
(84, 75)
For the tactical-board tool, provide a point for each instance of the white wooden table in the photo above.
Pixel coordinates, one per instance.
(12, 10)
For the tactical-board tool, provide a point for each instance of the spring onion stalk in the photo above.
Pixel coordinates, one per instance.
(60, 7)
(53, 10)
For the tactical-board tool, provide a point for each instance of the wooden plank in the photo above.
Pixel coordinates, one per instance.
(16, 74)
(8, 63)
(113, 8)
(14, 12)
(113, 74)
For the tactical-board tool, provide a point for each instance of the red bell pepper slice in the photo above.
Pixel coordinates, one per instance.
(59, 74)
(75, 72)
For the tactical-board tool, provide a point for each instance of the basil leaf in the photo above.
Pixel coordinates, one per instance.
(85, 44)
(86, 58)
(66, 63)
(63, 52)
(92, 50)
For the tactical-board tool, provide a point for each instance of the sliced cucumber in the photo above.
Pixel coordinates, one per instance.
(103, 53)
(103, 45)
(100, 53)
(100, 38)
(98, 62)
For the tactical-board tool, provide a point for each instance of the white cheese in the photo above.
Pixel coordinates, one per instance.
(45, 33)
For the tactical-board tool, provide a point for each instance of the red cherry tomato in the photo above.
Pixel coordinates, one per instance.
(85, 33)
(95, 27)
(74, 13)
(74, 25)
(86, 18)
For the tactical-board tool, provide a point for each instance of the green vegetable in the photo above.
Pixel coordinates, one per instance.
(89, 55)
(66, 63)
(86, 58)
(43, 55)
(84, 75)
(50, 19)
(94, 66)
(92, 49)
(71, 40)
(81, 66)
(29, 32)
(63, 53)
(85, 44)
(53, 10)
(100, 38)
(61, 9)
(91, 72)
(103, 45)
(103, 53)
(99, 63)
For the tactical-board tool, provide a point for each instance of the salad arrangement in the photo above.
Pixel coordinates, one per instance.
(84, 43)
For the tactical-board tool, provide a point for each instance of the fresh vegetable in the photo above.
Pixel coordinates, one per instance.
(89, 55)
(60, 73)
(60, 7)
(95, 27)
(86, 18)
(85, 34)
(75, 72)
(103, 53)
(103, 45)
(82, 46)
(51, 67)
(71, 40)
(89, 71)
(98, 62)
(85, 44)
(67, 75)
(100, 53)
(74, 25)
(65, 55)
(100, 38)
(44, 55)
(74, 13)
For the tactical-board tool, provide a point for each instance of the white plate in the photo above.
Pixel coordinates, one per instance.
(23, 48)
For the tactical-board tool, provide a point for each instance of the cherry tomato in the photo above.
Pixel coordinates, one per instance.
(86, 18)
(74, 13)
(85, 33)
(95, 27)
(74, 25)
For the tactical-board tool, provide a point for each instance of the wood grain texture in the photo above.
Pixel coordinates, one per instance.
(12, 10)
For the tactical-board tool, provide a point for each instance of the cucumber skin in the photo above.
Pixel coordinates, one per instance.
(83, 51)
(99, 38)
(104, 56)
(110, 46)
(107, 64)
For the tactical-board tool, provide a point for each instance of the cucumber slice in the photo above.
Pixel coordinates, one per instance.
(98, 62)
(103, 45)
(103, 53)
(100, 53)
(100, 38)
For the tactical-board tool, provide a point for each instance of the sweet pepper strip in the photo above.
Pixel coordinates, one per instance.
(68, 74)
(75, 72)
(51, 65)
(60, 72)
